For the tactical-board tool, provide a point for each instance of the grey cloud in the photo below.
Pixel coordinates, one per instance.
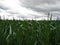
(50, 7)
(11, 12)
(33, 3)
(37, 2)
(46, 10)
(3, 7)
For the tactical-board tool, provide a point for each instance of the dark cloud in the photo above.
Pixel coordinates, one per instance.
(44, 6)
(37, 2)
(33, 3)
(46, 10)
(50, 7)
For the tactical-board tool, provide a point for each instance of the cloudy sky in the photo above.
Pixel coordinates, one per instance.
(29, 8)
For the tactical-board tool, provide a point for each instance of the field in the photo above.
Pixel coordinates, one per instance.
(14, 32)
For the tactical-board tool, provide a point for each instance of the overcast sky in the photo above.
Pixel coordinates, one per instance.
(29, 8)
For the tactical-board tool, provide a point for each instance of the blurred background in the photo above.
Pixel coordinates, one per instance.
(30, 9)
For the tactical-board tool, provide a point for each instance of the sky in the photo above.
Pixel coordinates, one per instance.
(29, 9)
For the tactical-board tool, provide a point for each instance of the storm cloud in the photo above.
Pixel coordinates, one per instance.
(44, 6)
(30, 8)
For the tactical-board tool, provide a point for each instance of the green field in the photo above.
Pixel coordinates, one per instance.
(14, 32)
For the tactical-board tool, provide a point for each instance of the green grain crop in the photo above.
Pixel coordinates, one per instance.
(29, 32)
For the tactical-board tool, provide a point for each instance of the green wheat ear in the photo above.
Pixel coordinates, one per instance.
(51, 17)
(48, 15)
